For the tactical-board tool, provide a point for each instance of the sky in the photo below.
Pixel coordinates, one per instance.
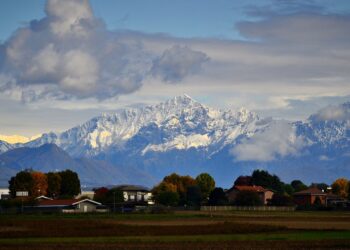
(63, 62)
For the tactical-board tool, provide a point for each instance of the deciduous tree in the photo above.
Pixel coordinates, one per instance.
(217, 197)
(70, 183)
(39, 184)
(54, 184)
(341, 187)
(206, 184)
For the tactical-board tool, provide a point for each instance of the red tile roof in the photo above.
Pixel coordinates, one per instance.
(258, 189)
(57, 202)
(311, 191)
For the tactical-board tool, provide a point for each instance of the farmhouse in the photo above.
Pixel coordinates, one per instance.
(4, 193)
(70, 206)
(264, 194)
(309, 196)
(136, 194)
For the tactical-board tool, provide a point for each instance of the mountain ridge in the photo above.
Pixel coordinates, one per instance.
(185, 136)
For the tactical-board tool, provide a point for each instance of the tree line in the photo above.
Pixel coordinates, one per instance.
(63, 184)
(177, 190)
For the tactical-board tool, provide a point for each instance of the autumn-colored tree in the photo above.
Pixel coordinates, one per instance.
(176, 184)
(39, 184)
(54, 184)
(341, 187)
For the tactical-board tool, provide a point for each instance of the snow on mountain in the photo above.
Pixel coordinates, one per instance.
(184, 136)
(184, 123)
(4, 146)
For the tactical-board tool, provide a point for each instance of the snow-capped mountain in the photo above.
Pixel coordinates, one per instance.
(181, 123)
(4, 146)
(182, 135)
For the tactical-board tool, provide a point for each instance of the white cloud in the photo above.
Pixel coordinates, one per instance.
(70, 54)
(277, 140)
(333, 113)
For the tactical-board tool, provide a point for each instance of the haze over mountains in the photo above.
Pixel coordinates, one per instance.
(141, 145)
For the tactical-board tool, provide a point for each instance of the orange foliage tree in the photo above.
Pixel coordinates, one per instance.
(341, 187)
(40, 184)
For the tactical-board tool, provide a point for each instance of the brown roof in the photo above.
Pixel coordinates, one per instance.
(258, 189)
(57, 202)
(311, 191)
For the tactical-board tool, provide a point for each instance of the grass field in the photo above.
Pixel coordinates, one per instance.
(182, 230)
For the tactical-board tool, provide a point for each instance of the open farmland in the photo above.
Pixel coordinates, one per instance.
(182, 230)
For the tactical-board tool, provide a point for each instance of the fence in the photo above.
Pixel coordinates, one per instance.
(246, 208)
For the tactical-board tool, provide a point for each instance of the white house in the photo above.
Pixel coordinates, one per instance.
(4, 193)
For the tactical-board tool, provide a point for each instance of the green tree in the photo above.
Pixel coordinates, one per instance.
(248, 198)
(24, 182)
(194, 196)
(54, 184)
(266, 180)
(206, 183)
(281, 200)
(175, 183)
(288, 189)
(70, 183)
(168, 198)
(12, 187)
(218, 197)
(298, 185)
(114, 195)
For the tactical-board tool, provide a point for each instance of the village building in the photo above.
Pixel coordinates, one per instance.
(4, 193)
(310, 196)
(264, 194)
(69, 206)
(136, 194)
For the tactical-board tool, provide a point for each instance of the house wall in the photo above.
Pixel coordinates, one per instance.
(4, 191)
(302, 200)
(90, 207)
(322, 198)
(137, 196)
(308, 199)
(267, 196)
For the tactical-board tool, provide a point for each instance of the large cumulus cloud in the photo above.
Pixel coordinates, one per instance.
(71, 54)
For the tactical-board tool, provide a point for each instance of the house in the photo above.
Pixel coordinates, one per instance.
(309, 196)
(4, 193)
(264, 194)
(70, 206)
(42, 197)
(136, 194)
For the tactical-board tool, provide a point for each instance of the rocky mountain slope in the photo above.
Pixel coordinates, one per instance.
(182, 135)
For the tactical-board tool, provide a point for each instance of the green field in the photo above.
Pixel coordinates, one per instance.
(181, 230)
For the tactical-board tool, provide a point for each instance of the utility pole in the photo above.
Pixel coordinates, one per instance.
(114, 201)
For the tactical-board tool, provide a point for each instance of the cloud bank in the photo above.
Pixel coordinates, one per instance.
(333, 113)
(71, 54)
(277, 140)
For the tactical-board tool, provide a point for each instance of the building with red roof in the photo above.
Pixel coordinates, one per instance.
(264, 194)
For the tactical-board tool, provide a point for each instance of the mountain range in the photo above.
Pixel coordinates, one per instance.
(141, 145)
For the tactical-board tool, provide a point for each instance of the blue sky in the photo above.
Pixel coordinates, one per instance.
(62, 62)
